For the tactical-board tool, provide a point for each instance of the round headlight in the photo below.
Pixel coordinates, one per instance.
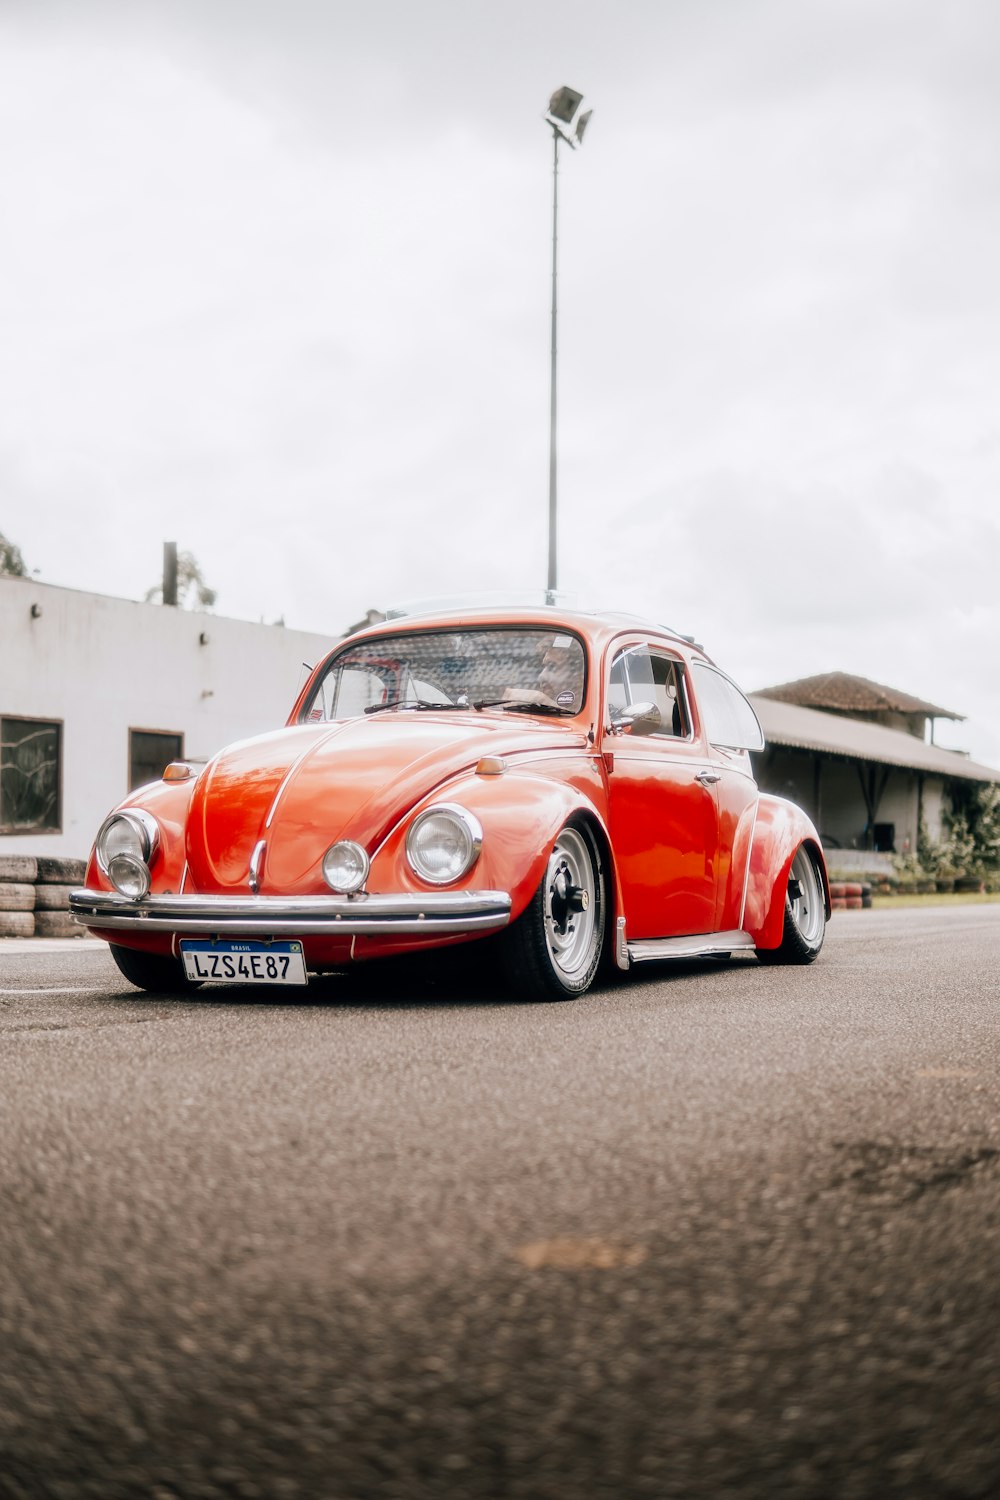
(129, 876)
(133, 833)
(443, 843)
(345, 867)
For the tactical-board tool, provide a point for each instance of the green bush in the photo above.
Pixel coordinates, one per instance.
(970, 844)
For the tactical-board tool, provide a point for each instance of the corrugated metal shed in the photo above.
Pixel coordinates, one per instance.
(834, 734)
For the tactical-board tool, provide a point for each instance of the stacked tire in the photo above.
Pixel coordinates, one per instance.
(34, 896)
(55, 879)
(18, 873)
(850, 895)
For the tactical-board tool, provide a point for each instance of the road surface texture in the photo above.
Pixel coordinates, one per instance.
(721, 1231)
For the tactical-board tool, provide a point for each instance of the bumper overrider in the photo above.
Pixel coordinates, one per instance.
(278, 916)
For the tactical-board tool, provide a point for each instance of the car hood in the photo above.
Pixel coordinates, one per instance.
(302, 788)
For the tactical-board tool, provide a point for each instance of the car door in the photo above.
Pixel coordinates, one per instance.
(730, 727)
(663, 805)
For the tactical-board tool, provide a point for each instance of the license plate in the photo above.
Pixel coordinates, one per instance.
(244, 963)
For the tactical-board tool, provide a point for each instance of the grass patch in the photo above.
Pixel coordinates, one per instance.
(938, 898)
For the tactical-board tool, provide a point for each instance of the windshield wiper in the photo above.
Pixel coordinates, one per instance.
(411, 703)
(524, 708)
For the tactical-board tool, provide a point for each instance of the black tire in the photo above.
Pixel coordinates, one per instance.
(57, 924)
(17, 924)
(805, 914)
(157, 973)
(56, 871)
(553, 950)
(52, 897)
(17, 895)
(20, 867)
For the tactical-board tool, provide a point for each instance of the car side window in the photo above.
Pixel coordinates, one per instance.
(668, 685)
(728, 718)
(618, 698)
(639, 675)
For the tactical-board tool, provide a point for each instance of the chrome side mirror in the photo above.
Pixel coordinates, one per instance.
(637, 718)
(645, 718)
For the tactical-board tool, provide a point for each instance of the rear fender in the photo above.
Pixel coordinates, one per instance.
(780, 829)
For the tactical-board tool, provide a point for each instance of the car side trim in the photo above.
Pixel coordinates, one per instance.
(701, 945)
(436, 911)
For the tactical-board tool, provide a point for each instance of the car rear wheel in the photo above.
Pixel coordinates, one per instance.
(553, 950)
(805, 914)
(157, 973)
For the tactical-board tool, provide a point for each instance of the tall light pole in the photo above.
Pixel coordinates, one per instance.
(568, 122)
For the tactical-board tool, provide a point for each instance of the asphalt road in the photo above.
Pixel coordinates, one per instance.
(720, 1231)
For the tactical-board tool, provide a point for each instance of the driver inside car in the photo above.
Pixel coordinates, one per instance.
(560, 677)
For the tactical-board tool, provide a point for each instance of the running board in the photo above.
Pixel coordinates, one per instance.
(699, 945)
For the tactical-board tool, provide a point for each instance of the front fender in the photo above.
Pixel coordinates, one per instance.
(169, 803)
(780, 829)
(521, 814)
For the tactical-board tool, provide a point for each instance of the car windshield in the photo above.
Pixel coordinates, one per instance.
(515, 669)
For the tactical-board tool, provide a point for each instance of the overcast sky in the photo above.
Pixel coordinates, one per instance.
(275, 285)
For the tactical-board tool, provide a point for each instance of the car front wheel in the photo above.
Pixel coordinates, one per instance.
(553, 950)
(157, 973)
(805, 914)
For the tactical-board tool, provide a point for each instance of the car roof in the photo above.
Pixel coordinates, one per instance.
(599, 626)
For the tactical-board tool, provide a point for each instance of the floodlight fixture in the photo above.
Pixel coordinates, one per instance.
(565, 117)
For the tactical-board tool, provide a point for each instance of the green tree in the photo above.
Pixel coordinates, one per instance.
(970, 842)
(11, 561)
(986, 825)
(192, 590)
(956, 851)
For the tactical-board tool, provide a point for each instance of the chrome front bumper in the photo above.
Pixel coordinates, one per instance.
(279, 916)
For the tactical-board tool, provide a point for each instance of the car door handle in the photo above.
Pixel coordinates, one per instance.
(708, 778)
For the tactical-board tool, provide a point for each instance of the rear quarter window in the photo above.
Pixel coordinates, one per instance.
(727, 716)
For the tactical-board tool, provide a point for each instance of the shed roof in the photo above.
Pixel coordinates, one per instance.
(808, 729)
(844, 693)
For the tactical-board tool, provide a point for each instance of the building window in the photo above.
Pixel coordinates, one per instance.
(150, 751)
(30, 776)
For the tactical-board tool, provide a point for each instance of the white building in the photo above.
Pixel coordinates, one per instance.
(97, 695)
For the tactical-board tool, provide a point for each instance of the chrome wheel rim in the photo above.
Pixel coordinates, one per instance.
(571, 905)
(805, 898)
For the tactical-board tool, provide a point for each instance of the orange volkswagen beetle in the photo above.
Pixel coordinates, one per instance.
(556, 789)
